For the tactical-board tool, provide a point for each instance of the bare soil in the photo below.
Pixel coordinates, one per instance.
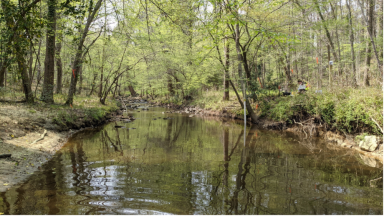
(20, 126)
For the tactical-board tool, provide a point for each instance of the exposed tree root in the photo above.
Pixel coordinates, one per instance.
(307, 125)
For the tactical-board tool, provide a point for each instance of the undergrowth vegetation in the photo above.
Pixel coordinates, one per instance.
(87, 108)
(348, 110)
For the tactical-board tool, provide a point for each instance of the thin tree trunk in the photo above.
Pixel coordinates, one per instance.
(237, 94)
(382, 29)
(24, 75)
(49, 64)
(81, 80)
(117, 84)
(101, 80)
(351, 39)
(240, 58)
(103, 54)
(30, 63)
(371, 7)
(226, 69)
(79, 53)
(369, 24)
(59, 65)
(170, 85)
(2, 74)
(93, 83)
(326, 30)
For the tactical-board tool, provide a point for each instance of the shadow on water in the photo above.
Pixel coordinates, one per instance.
(183, 165)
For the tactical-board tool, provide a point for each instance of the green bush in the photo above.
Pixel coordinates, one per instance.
(347, 110)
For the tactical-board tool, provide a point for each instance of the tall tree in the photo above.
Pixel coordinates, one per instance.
(59, 64)
(371, 9)
(49, 63)
(226, 69)
(327, 33)
(79, 52)
(16, 25)
(351, 40)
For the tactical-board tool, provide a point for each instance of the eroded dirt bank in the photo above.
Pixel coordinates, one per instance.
(22, 151)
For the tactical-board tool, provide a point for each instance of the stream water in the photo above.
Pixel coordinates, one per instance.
(197, 165)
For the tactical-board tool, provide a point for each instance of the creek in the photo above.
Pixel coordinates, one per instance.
(197, 165)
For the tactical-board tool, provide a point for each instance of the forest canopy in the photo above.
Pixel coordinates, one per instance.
(182, 47)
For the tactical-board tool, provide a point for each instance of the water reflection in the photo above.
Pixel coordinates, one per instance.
(194, 165)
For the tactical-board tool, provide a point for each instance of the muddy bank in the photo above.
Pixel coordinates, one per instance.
(31, 135)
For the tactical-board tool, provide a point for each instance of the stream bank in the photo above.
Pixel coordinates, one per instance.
(22, 126)
(346, 118)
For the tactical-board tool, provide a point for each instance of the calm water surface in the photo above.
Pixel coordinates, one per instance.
(197, 165)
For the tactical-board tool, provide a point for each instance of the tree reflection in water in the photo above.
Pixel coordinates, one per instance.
(195, 166)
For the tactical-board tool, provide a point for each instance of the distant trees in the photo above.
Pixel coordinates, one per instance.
(180, 48)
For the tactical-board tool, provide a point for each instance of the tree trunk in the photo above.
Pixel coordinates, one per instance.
(382, 29)
(93, 84)
(326, 30)
(103, 54)
(226, 69)
(240, 58)
(132, 91)
(59, 65)
(369, 25)
(81, 80)
(24, 75)
(19, 53)
(79, 52)
(351, 39)
(170, 85)
(287, 66)
(101, 82)
(117, 84)
(2, 74)
(30, 63)
(49, 64)
(371, 7)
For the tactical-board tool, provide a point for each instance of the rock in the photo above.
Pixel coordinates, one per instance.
(191, 116)
(368, 161)
(369, 143)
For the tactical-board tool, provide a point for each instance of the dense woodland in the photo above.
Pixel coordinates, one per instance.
(178, 48)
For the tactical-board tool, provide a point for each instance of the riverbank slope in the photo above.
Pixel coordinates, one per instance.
(349, 118)
(22, 126)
